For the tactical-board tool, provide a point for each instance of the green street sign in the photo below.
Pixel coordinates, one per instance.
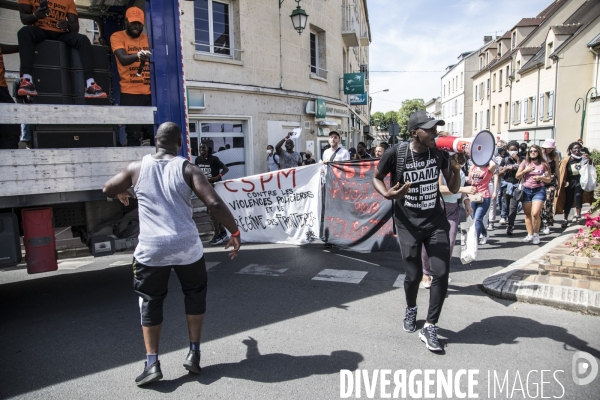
(354, 83)
(320, 108)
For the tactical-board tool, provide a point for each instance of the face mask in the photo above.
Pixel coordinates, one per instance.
(512, 152)
(499, 149)
(307, 156)
(269, 152)
(576, 157)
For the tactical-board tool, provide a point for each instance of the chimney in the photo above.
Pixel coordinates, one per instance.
(487, 39)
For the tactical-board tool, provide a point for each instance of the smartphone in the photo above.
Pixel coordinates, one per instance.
(44, 4)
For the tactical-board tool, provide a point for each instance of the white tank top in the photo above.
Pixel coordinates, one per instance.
(168, 235)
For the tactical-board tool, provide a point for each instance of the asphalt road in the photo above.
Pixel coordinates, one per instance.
(272, 331)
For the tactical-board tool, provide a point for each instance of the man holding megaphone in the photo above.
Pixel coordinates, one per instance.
(419, 215)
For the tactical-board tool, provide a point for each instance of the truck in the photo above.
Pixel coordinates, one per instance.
(69, 180)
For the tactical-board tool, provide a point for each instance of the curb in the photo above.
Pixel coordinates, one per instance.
(508, 283)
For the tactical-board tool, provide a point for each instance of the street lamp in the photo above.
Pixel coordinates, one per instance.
(298, 16)
(384, 90)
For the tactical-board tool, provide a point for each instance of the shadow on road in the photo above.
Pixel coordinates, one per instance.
(268, 368)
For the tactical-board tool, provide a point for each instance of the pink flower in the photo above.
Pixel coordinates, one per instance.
(596, 233)
(568, 244)
(580, 230)
(586, 240)
(580, 245)
(594, 242)
(587, 216)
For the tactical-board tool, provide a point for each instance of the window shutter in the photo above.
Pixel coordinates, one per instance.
(532, 109)
(541, 107)
(550, 105)
(512, 117)
(525, 110)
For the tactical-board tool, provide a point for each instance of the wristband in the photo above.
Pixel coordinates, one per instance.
(220, 175)
(236, 234)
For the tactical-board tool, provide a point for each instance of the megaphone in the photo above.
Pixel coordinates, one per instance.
(480, 148)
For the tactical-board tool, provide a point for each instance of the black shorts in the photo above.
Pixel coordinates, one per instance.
(152, 283)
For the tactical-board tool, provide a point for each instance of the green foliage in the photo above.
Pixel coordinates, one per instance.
(382, 121)
(595, 156)
(408, 106)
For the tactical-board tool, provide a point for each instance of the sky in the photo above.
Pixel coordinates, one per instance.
(428, 36)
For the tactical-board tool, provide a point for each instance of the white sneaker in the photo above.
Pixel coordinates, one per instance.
(527, 239)
(484, 239)
(546, 230)
(536, 239)
(502, 221)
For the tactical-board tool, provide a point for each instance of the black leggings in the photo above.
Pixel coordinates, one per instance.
(437, 245)
(574, 194)
(31, 35)
(512, 206)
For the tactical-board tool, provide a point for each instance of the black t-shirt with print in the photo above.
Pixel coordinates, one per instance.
(211, 166)
(510, 173)
(421, 208)
(573, 167)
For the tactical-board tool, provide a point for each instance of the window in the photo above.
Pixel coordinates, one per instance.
(480, 120)
(499, 49)
(500, 80)
(526, 110)
(476, 91)
(517, 76)
(499, 116)
(548, 52)
(487, 119)
(487, 58)
(493, 115)
(212, 27)
(549, 104)
(507, 74)
(455, 107)
(317, 53)
(542, 107)
(475, 125)
(494, 83)
(461, 80)
(481, 90)
(514, 40)
(488, 87)
(480, 62)
(506, 111)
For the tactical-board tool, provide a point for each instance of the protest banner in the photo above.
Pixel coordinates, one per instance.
(276, 207)
(357, 218)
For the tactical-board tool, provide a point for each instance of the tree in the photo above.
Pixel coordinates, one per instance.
(378, 121)
(408, 106)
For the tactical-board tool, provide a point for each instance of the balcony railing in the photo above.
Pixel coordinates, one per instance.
(350, 26)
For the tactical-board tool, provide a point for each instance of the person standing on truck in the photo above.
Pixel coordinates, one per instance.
(163, 183)
(130, 48)
(53, 20)
(213, 169)
(9, 133)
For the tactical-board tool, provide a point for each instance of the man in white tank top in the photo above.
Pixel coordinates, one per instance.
(163, 184)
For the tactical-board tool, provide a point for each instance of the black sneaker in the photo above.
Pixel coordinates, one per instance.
(410, 319)
(216, 240)
(150, 374)
(26, 88)
(94, 92)
(428, 335)
(509, 230)
(192, 362)
(224, 237)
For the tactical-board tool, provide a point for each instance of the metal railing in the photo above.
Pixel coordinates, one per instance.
(350, 20)
(320, 72)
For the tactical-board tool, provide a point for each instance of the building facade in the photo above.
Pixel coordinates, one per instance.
(251, 78)
(456, 96)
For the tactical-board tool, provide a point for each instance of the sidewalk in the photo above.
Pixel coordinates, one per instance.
(521, 281)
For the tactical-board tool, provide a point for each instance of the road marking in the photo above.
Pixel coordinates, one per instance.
(334, 275)
(210, 264)
(358, 259)
(255, 269)
(120, 264)
(399, 281)
(73, 264)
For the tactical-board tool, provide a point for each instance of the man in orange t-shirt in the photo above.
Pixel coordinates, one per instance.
(131, 50)
(9, 133)
(53, 20)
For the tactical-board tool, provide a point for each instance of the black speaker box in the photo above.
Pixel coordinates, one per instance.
(102, 78)
(82, 101)
(52, 53)
(52, 99)
(74, 139)
(100, 58)
(10, 247)
(52, 81)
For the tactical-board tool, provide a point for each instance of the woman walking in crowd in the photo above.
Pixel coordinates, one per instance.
(551, 157)
(508, 169)
(480, 178)
(535, 173)
(569, 190)
(272, 159)
(452, 205)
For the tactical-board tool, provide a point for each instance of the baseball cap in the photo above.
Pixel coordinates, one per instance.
(422, 119)
(334, 133)
(134, 14)
(308, 152)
